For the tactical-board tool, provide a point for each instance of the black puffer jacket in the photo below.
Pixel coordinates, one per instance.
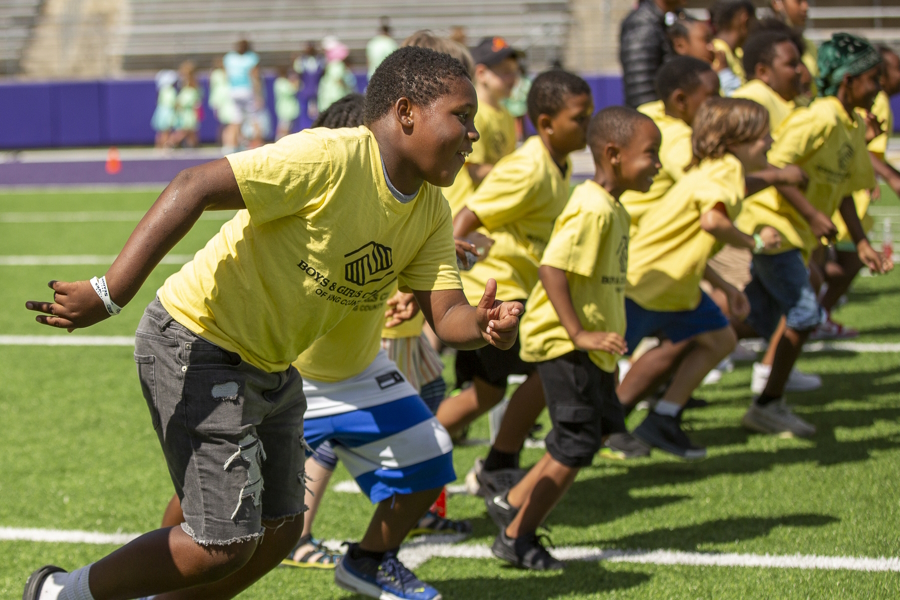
(643, 47)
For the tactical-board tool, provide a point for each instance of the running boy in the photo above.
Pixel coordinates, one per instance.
(516, 205)
(284, 259)
(496, 73)
(668, 254)
(573, 330)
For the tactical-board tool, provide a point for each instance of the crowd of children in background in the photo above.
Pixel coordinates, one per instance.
(732, 206)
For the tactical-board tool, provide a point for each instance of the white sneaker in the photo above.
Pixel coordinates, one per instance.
(473, 486)
(776, 417)
(713, 377)
(798, 381)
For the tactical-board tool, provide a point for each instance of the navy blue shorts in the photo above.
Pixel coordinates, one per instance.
(675, 326)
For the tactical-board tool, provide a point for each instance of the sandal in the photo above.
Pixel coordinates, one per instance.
(431, 524)
(320, 557)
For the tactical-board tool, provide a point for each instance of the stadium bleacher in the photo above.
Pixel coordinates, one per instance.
(17, 18)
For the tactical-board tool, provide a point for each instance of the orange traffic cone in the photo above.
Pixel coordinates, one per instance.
(113, 163)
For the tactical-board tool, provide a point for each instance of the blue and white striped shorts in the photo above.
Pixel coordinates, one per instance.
(392, 446)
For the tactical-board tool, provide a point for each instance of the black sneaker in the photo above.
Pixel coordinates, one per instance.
(621, 446)
(665, 433)
(499, 481)
(499, 509)
(526, 552)
(386, 579)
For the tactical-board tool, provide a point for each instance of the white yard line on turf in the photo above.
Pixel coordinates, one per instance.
(421, 550)
(34, 260)
(62, 340)
(97, 216)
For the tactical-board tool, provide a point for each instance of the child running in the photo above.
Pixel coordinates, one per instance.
(516, 205)
(732, 20)
(323, 233)
(668, 255)
(573, 330)
(828, 141)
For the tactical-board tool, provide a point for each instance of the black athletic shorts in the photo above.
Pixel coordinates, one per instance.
(583, 406)
(491, 364)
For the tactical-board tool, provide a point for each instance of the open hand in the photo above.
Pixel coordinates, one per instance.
(75, 305)
(498, 321)
(401, 308)
(771, 237)
(873, 259)
(601, 340)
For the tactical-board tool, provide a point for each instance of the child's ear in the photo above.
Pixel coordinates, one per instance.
(613, 154)
(545, 123)
(403, 111)
(679, 100)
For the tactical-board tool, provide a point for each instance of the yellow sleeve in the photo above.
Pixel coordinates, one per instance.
(434, 267)
(281, 179)
(479, 148)
(502, 196)
(881, 108)
(575, 242)
(862, 175)
(679, 154)
(799, 136)
(706, 198)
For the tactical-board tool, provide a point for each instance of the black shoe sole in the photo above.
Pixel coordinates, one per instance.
(36, 580)
(504, 552)
(666, 446)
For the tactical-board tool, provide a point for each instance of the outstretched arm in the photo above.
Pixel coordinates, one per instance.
(211, 186)
(869, 257)
(716, 223)
(467, 327)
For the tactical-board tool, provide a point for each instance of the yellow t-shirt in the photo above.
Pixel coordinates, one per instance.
(810, 58)
(675, 154)
(732, 58)
(517, 203)
(590, 243)
(760, 92)
(497, 129)
(830, 146)
(406, 329)
(667, 256)
(881, 108)
(322, 236)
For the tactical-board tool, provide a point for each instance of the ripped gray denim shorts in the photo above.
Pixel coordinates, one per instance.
(232, 434)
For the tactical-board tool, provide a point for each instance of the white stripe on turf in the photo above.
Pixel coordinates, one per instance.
(97, 216)
(422, 549)
(62, 340)
(34, 260)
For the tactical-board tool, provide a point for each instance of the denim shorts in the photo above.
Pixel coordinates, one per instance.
(231, 434)
(675, 326)
(780, 286)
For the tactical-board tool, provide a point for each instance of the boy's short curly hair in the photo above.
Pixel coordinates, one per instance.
(614, 124)
(346, 112)
(420, 74)
(681, 73)
(550, 90)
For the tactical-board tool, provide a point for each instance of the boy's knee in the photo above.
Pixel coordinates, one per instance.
(284, 532)
(218, 562)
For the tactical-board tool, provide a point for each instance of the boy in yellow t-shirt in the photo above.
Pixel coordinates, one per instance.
(684, 84)
(840, 272)
(828, 140)
(732, 20)
(324, 232)
(496, 73)
(573, 330)
(794, 14)
(516, 205)
(668, 256)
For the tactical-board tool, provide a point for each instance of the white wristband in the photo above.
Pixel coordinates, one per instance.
(103, 292)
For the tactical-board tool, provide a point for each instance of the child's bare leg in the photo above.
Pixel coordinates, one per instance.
(708, 350)
(840, 274)
(460, 410)
(317, 478)
(786, 353)
(769, 356)
(525, 406)
(394, 518)
(539, 495)
(650, 371)
(173, 515)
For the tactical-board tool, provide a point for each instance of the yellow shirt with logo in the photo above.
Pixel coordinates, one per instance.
(322, 237)
(497, 129)
(590, 243)
(761, 93)
(667, 256)
(732, 58)
(517, 204)
(830, 145)
(881, 108)
(675, 154)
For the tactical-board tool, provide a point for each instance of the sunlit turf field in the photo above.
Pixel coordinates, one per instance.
(79, 454)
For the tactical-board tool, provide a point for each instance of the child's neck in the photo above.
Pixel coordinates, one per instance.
(402, 174)
(485, 96)
(845, 102)
(675, 115)
(605, 177)
(559, 158)
(730, 38)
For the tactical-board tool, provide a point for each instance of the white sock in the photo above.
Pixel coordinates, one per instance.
(669, 409)
(67, 586)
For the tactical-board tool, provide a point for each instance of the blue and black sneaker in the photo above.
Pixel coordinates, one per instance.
(387, 580)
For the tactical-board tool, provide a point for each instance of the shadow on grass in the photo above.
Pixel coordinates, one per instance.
(719, 531)
(578, 578)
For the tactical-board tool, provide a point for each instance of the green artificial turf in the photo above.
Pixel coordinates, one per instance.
(79, 453)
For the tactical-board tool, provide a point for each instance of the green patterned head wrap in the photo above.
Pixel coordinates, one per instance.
(843, 54)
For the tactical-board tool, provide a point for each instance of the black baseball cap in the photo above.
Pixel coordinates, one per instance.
(492, 51)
